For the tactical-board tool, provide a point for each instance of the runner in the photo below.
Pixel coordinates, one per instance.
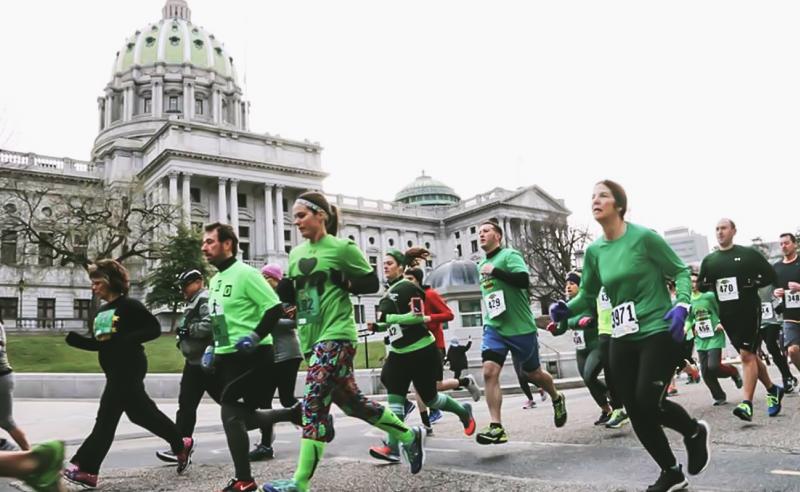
(436, 313)
(413, 356)
(772, 335)
(325, 270)
(735, 273)
(194, 335)
(7, 422)
(704, 323)
(618, 415)
(587, 352)
(287, 360)
(508, 326)
(633, 262)
(787, 288)
(244, 312)
(121, 326)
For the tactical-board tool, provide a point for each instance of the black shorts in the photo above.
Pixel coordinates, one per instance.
(422, 367)
(743, 331)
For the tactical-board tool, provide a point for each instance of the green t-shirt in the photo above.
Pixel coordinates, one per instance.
(603, 313)
(516, 317)
(633, 269)
(238, 297)
(705, 310)
(406, 329)
(324, 311)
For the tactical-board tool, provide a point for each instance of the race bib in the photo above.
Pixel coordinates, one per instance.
(766, 311)
(218, 325)
(495, 303)
(727, 289)
(395, 333)
(792, 299)
(578, 339)
(307, 306)
(704, 328)
(605, 301)
(104, 325)
(624, 320)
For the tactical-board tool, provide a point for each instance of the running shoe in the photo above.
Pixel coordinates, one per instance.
(51, 459)
(493, 434)
(415, 450)
(385, 452)
(542, 394)
(435, 416)
(669, 480)
(618, 419)
(408, 407)
(737, 379)
(672, 390)
(75, 475)
(774, 399)
(560, 410)
(428, 430)
(604, 418)
(789, 384)
(744, 411)
(469, 421)
(698, 453)
(236, 485)
(6, 445)
(184, 457)
(529, 404)
(261, 453)
(167, 456)
(720, 401)
(281, 486)
(473, 388)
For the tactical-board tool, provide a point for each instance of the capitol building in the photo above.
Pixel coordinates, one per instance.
(173, 117)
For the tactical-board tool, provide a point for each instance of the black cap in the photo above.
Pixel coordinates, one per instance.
(188, 277)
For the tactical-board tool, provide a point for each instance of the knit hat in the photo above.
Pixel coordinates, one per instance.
(574, 277)
(454, 341)
(272, 270)
(398, 256)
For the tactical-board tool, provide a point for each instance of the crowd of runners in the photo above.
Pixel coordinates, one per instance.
(636, 314)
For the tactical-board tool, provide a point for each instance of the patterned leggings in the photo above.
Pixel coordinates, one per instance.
(330, 379)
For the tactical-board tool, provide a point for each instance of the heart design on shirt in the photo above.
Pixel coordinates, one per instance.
(307, 265)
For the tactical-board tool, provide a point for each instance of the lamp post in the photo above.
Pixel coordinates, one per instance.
(579, 259)
(21, 287)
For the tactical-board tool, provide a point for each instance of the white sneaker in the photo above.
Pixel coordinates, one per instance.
(473, 388)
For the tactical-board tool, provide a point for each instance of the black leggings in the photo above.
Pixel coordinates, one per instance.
(194, 382)
(712, 368)
(771, 336)
(604, 347)
(642, 371)
(124, 394)
(589, 366)
(283, 380)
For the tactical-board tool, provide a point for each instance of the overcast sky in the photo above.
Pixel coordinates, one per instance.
(694, 106)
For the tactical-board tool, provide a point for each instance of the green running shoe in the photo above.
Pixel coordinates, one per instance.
(560, 410)
(492, 435)
(744, 411)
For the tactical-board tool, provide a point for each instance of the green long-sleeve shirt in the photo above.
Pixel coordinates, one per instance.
(633, 269)
(705, 311)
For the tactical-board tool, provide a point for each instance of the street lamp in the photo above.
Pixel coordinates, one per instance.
(579, 259)
(21, 287)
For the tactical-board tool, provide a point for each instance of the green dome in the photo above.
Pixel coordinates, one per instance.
(427, 191)
(174, 40)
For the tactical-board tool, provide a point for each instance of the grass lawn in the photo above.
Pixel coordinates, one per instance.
(49, 353)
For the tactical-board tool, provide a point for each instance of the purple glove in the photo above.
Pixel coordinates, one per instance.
(559, 311)
(677, 321)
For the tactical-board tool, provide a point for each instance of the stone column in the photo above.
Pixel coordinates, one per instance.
(235, 205)
(279, 218)
(187, 199)
(173, 187)
(269, 218)
(222, 206)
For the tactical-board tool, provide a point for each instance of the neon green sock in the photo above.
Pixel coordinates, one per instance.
(390, 424)
(448, 404)
(397, 405)
(310, 456)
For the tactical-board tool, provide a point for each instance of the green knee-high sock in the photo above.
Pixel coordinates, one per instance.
(397, 405)
(397, 430)
(446, 403)
(310, 456)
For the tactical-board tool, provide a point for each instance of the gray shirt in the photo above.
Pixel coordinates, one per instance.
(5, 367)
(197, 324)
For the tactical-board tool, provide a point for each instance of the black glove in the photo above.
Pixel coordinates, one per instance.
(74, 339)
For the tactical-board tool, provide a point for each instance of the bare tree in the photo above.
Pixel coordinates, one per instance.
(549, 250)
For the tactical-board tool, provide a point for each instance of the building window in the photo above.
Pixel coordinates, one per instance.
(458, 251)
(197, 227)
(194, 195)
(198, 107)
(173, 104)
(80, 308)
(351, 237)
(8, 307)
(146, 105)
(245, 249)
(428, 246)
(244, 232)
(457, 235)
(371, 240)
(80, 246)
(8, 248)
(285, 204)
(474, 245)
(409, 243)
(45, 312)
(373, 262)
(391, 242)
(45, 250)
(470, 312)
(472, 230)
(287, 239)
(358, 313)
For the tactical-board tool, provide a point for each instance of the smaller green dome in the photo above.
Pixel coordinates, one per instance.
(427, 191)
